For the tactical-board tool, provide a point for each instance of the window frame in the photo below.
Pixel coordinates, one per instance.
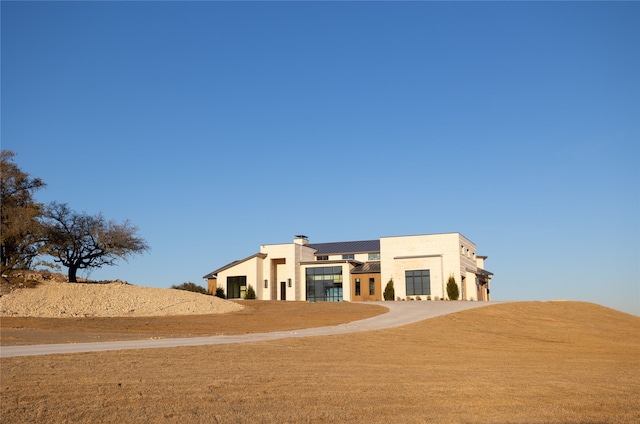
(423, 279)
(324, 284)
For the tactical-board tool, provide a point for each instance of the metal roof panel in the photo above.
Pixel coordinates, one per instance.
(343, 247)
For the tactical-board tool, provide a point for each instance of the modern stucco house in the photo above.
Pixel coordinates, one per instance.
(419, 265)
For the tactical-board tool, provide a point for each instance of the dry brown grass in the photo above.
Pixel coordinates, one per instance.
(256, 317)
(523, 362)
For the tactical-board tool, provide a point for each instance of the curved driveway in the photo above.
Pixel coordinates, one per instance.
(400, 313)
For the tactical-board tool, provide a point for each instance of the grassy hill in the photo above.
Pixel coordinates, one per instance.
(530, 362)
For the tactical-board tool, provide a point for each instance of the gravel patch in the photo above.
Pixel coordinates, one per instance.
(59, 300)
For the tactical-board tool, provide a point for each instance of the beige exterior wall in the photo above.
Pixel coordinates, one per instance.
(281, 265)
(347, 289)
(278, 266)
(470, 289)
(442, 254)
(360, 257)
(251, 268)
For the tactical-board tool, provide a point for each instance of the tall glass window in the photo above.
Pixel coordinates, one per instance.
(236, 287)
(324, 284)
(418, 282)
(357, 287)
(372, 286)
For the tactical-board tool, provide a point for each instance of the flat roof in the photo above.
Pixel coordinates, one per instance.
(433, 234)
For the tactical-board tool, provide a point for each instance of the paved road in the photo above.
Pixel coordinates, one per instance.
(400, 313)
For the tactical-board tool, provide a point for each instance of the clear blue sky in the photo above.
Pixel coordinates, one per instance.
(216, 127)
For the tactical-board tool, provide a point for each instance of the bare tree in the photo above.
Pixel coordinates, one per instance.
(21, 233)
(78, 240)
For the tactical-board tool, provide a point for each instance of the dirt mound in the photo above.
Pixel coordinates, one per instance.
(116, 299)
(18, 279)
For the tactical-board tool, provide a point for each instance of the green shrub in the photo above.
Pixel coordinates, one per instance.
(192, 287)
(389, 292)
(452, 289)
(220, 293)
(250, 294)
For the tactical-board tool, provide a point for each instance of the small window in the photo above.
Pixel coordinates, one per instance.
(374, 256)
(266, 284)
(357, 287)
(372, 286)
(322, 258)
(348, 257)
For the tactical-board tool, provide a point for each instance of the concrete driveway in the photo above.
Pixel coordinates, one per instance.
(400, 313)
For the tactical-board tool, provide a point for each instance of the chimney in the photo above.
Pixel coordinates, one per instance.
(301, 240)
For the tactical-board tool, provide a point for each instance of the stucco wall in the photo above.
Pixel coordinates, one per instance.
(469, 289)
(251, 268)
(274, 271)
(293, 254)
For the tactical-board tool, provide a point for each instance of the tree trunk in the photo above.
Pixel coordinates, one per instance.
(72, 274)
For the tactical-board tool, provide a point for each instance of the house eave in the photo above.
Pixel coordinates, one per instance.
(214, 274)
